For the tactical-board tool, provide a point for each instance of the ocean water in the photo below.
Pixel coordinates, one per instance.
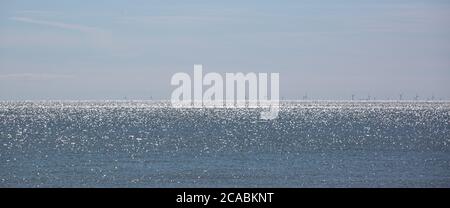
(149, 144)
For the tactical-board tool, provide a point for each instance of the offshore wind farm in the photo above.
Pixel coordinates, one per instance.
(282, 94)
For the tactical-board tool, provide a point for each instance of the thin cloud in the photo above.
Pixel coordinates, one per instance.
(38, 12)
(60, 25)
(34, 77)
(165, 19)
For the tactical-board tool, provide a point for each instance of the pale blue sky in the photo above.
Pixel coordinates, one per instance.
(329, 49)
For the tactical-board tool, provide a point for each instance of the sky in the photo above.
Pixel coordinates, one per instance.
(74, 50)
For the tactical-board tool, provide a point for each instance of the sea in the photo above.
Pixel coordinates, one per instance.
(150, 144)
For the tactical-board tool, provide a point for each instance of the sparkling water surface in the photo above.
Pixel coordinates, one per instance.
(150, 144)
